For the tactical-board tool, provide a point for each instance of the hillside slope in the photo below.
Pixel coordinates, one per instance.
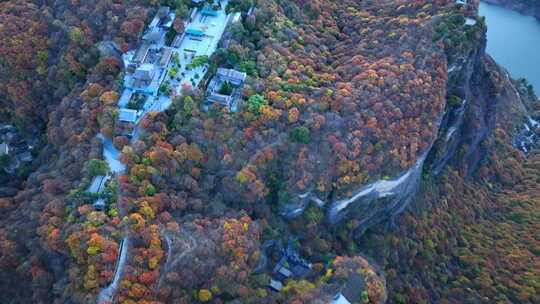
(376, 142)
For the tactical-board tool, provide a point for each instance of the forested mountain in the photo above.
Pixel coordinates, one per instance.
(376, 153)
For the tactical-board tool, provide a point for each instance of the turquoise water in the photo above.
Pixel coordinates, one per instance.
(514, 42)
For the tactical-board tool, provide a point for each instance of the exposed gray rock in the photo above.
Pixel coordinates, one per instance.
(464, 124)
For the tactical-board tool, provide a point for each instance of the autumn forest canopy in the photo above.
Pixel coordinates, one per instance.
(373, 152)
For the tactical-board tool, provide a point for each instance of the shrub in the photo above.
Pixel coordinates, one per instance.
(169, 37)
(150, 190)
(173, 71)
(92, 250)
(301, 135)
(197, 62)
(166, 88)
(137, 101)
(255, 103)
(4, 161)
(226, 88)
(97, 167)
(205, 295)
(249, 67)
(238, 6)
(454, 102)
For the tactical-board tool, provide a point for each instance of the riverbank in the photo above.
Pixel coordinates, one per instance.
(513, 40)
(518, 6)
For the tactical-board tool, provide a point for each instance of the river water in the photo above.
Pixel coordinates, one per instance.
(514, 42)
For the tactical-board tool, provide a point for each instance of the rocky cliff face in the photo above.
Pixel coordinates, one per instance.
(479, 94)
(527, 7)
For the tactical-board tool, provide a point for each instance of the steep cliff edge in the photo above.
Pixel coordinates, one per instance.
(381, 99)
(480, 94)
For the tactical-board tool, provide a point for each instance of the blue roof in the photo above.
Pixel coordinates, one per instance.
(194, 32)
(209, 12)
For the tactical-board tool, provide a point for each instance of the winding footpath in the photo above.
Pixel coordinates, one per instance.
(112, 155)
(107, 294)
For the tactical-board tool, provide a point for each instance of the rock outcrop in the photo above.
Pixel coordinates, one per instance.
(479, 94)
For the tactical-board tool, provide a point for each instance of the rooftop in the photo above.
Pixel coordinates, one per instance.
(234, 76)
(154, 22)
(221, 99)
(127, 115)
(285, 272)
(154, 36)
(99, 204)
(354, 287)
(144, 72)
(340, 299)
(163, 11)
(194, 32)
(275, 285)
(147, 67)
(209, 12)
(143, 76)
(165, 56)
(141, 53)
(125, 98)
(168, 21)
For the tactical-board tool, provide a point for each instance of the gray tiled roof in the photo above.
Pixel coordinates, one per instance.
(234, 76)
(127, 115)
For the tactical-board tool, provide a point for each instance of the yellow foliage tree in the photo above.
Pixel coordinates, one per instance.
(109, 97)
(90, 278)
(146, 210)
(205, 295)
(294, 113)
